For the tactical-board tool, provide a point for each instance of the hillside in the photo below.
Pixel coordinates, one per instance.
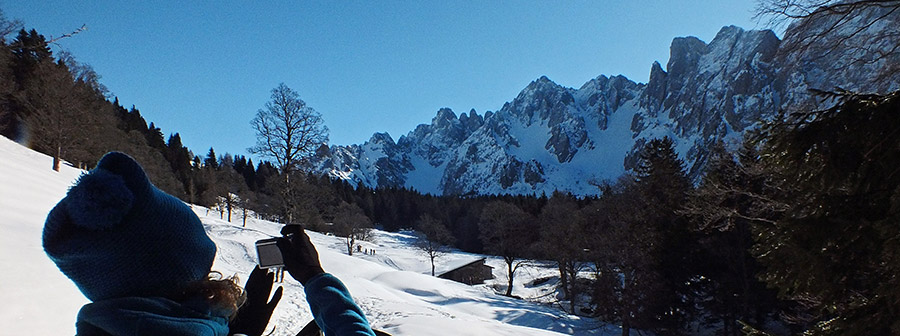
(392, 287)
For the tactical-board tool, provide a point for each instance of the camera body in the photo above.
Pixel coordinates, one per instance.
(269, 254)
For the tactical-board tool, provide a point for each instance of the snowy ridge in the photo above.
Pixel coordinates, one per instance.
(393, 287)
(552, 137)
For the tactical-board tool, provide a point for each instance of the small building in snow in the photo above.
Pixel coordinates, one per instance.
(471, 273)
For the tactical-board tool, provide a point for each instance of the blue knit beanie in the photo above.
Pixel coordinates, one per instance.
(116, 235)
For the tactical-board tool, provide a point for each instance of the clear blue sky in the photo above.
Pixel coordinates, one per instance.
(203, 68)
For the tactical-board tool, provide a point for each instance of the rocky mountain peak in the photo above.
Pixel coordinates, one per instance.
(551, 137)
(542, 81)
(542, 99)
(656, 89)
(735, 46)
(539, 88)
(472, 121)
(684, 54)
(444, 118)
(382, 138)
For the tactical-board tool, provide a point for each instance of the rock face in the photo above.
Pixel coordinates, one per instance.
(552, 137)
(866, 59)
(710, 91)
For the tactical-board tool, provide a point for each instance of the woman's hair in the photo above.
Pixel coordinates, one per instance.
(222, 294)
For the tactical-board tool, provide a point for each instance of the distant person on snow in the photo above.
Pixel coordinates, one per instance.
(144, 260)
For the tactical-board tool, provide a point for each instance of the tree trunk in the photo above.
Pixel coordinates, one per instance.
(192, 191)
(289, 200)
(573, 290)
(229, 206)
(626, 307)
(563, 279)
(509, 271)
(56, 158)
(432, 264)
(572, 305)
(350, 243)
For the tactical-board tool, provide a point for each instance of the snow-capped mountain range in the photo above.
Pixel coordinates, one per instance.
(552, 137)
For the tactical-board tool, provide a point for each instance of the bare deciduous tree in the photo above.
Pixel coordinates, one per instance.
(433, 238)
(58, 111)
(8, 26)
(351, 223)
(507, 231)
(288, 131)
(563, 240)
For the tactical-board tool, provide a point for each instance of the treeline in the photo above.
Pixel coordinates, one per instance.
(796, 231)
(640, 255)
(57, 106)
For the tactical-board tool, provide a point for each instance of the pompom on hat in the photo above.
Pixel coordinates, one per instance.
(116, 235)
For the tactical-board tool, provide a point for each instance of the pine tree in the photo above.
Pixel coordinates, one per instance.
(625, 253)
(211, 160)
(10, 119)
(132, 120)
(660, 175)
(723, 211)
(662, 185)
(833, 248)
(29, 49)
(155, 137)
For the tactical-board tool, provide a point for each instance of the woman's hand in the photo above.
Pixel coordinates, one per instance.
(253, 316)
(301, 259)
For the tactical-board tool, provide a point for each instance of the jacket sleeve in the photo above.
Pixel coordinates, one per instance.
(333, 309)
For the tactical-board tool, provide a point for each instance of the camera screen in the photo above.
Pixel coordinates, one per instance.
(269, 254)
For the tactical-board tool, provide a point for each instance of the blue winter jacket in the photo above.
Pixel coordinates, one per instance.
(334, 309)
(148, 316)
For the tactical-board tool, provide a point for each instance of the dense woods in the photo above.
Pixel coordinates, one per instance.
(794, 231)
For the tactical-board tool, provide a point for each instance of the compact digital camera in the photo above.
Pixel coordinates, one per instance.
(269, 254)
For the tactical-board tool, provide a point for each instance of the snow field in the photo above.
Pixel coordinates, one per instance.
(393, 287)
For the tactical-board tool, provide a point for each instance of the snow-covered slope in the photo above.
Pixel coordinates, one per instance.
(393, 286)
(553, 137)
(38, 299)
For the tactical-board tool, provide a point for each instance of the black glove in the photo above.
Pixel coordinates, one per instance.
(253, 317)
(300, 257)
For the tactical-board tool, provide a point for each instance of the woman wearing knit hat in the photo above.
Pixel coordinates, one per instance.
(144, 260)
